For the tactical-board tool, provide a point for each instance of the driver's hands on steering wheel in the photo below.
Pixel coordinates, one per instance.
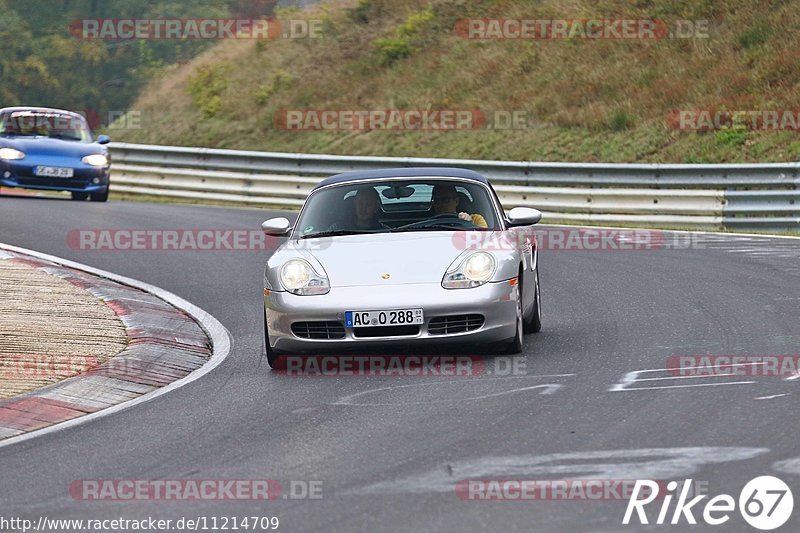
(465, 216)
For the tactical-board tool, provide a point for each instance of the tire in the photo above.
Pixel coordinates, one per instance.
(80, 196)
(515, 345)
(99, 196)
(533, 324)
(272, 355)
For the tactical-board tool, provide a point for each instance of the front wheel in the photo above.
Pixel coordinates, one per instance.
(273, 356)
(101, 196)
(533, 324)
(515, 345)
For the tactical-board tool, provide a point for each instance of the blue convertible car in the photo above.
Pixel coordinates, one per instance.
(52, 149)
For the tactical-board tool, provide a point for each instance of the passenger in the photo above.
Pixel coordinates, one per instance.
(367, 207)
(445, 201)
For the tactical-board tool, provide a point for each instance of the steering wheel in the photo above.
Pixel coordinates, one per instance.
(443, 218)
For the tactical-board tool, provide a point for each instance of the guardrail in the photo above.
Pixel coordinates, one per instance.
(752, 197)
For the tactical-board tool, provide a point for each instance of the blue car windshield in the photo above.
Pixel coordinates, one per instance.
(45, 124)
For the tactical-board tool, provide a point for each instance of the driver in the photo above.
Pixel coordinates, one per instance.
(367, 207)
(445, 201)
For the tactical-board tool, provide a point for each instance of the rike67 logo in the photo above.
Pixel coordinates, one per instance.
(765, 503)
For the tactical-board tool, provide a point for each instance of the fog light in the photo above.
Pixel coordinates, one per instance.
(6, 174)
(96, 180)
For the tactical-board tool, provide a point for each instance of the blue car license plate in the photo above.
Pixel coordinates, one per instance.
(54, 172)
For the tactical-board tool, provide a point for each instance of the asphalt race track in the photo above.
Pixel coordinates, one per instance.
(390, 459)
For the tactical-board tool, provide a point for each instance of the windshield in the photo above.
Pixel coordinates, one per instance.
(390, 206)
(45, 124)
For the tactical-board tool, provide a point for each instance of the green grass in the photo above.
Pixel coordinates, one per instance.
(593, 101)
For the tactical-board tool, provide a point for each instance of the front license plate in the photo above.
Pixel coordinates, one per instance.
(54, 172)
(392, 317)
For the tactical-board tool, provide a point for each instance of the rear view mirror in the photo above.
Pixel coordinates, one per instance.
(276, 227)
(397, 192)
(524, 216)
(103, 139)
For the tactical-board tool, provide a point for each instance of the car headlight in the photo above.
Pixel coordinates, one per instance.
(299, 277)
(96, 160)
(10, 154)
(471, 272)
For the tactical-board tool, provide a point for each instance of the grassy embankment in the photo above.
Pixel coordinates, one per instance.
(588, 100)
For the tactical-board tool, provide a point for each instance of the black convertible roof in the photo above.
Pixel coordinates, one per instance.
(426, 172)
(34, 109)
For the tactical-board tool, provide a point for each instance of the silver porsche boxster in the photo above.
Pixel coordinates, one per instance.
(402, 257)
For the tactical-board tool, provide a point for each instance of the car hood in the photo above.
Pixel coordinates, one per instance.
(33, 146)
(404, 257)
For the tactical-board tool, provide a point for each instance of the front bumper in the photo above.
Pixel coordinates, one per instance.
(495, 301)
(86, 178)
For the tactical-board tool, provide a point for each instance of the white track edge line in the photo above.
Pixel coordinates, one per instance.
(698, 232)
(220, 339)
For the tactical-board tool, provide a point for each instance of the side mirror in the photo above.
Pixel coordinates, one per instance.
(524, 216)
(276, 227)
(103, 139)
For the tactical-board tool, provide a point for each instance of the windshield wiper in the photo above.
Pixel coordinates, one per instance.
(433, 227)
(337, 233)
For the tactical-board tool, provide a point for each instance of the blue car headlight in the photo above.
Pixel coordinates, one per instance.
(10, 154)
(95, 160)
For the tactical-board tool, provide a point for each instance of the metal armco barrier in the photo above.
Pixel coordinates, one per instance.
(751, 197)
